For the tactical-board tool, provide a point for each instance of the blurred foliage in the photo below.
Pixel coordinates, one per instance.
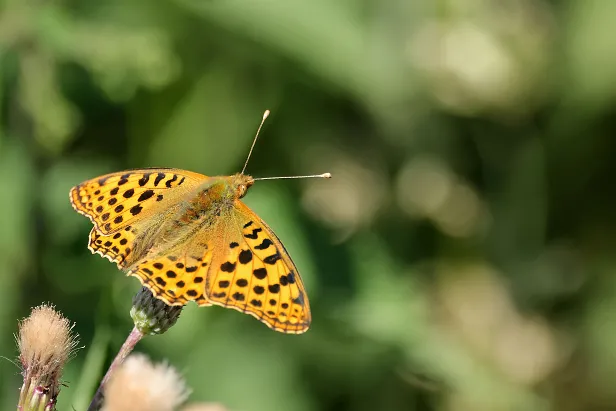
(460, 259)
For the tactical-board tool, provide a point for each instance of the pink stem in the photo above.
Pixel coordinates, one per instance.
(133, 338)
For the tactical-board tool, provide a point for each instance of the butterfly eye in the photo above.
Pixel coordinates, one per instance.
(241, 190)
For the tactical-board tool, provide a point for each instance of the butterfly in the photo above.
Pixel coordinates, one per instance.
(189, 237)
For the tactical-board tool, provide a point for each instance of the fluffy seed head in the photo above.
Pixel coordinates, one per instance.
(46, 342)
(204, 407)
(139, 385)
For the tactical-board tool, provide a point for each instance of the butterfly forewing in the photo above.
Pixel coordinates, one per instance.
(257, 276)
(115, 201)
(115, 247)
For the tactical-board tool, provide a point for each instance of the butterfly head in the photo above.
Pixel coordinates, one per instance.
(242, 183)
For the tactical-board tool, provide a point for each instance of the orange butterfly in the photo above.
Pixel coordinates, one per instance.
(189, 237)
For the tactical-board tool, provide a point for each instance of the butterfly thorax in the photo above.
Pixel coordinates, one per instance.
(212, 199)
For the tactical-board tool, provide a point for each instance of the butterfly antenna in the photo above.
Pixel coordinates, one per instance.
(267, 112)
(324, 175)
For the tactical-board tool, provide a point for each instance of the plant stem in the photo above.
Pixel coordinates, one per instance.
(133, 338)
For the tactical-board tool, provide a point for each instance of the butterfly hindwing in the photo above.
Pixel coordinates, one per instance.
(114, 201)
(177, 277)
(257, 276)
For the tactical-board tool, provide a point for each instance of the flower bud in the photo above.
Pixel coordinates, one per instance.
(151, 315)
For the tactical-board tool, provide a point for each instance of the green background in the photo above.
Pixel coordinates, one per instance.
(462, 257)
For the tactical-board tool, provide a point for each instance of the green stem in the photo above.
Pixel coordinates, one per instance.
(133, 338)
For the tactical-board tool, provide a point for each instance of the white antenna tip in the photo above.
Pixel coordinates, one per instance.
(327, 175)
(267, 112)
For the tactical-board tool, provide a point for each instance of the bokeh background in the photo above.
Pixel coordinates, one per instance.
(462, 257)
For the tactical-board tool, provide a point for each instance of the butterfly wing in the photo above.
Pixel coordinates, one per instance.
(114, 247)
(178, 276)
(256, 275)
(115, 201)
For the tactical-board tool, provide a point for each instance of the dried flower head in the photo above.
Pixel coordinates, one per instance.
(139, 385)
(46, 342)
(204, 406)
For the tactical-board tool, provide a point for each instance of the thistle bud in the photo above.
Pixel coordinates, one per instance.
(151, 315)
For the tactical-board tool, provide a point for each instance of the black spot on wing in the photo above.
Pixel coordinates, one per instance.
(136, 209)
(145, 195)
(144, 180)
(271, 259)
(245, 256)
(260, 273)
(255, 234)
(228, 267)
(158, 179)
(168, 183)
(264, 244)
